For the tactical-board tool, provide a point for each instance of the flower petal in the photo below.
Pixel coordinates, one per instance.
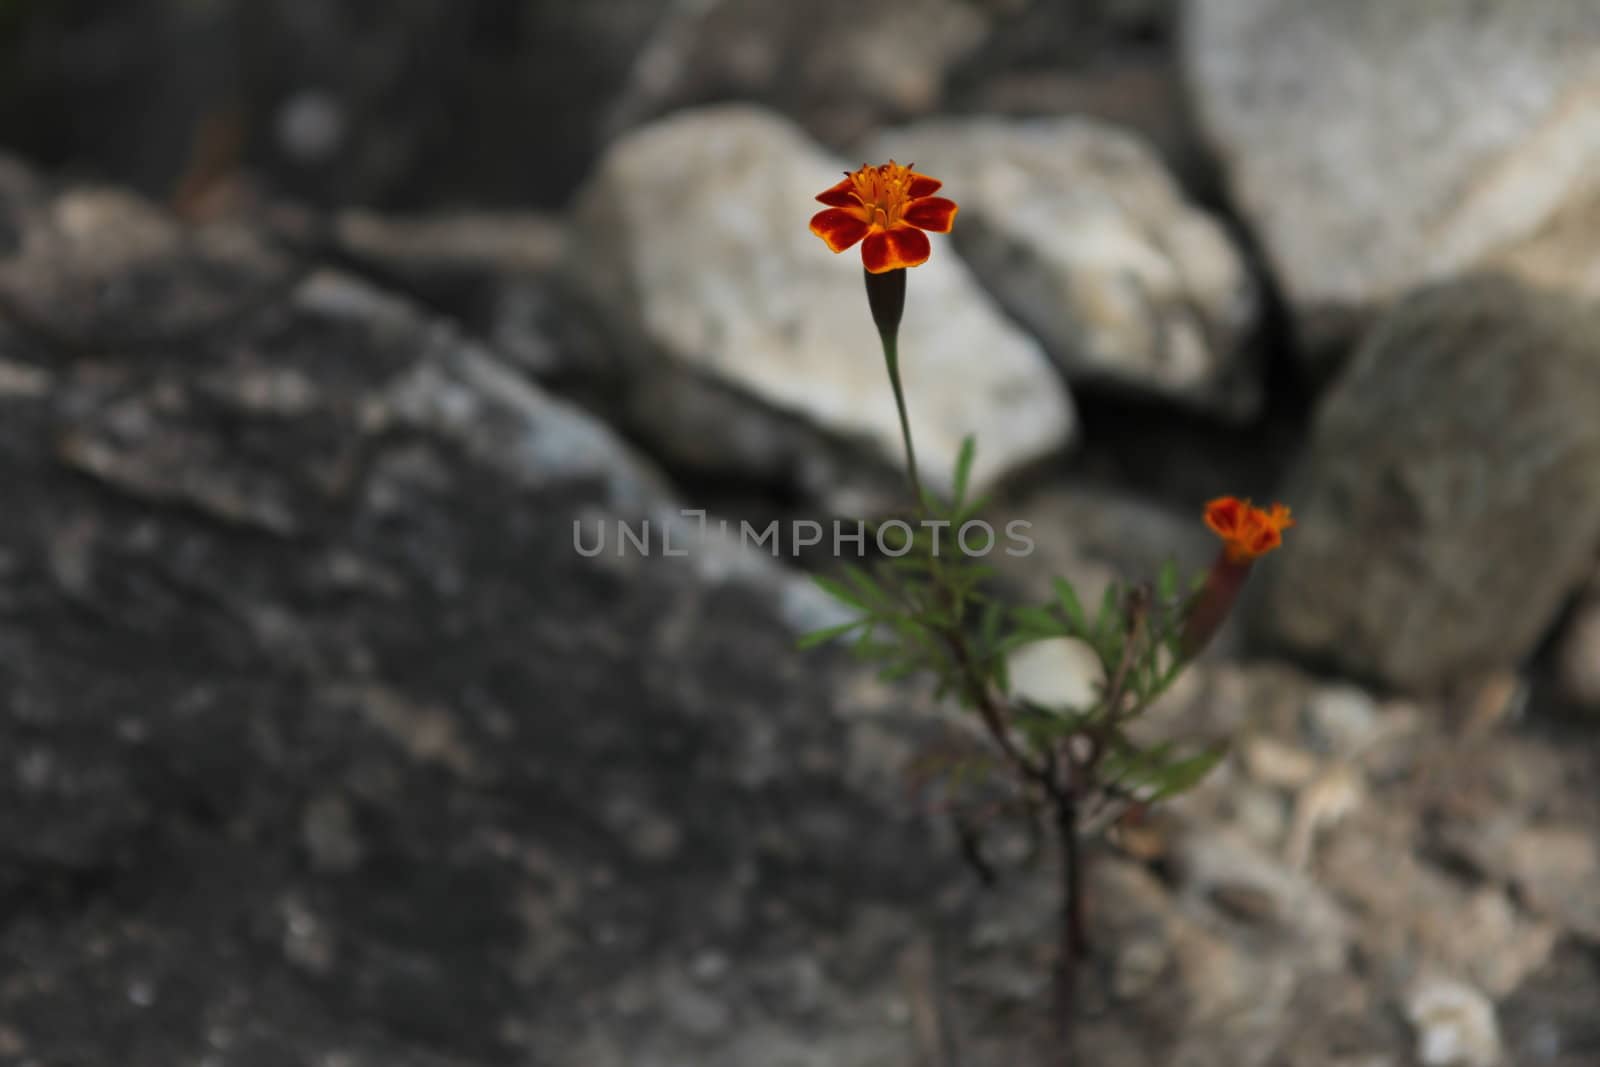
(932, 213)
(893, 249)
(841, 195)
(922, 185)
(1223, 515)
(1263, 540)
(838, 228)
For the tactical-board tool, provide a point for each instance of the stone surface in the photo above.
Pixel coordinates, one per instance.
(1077, 228)
(824, 64)
(496, 274)
(1554, 868)
(1374, 146)
(1449, 498)
(429, 104)
(1058, 673)
(326, 747)
(753, 350)
(97, 267)
(1578, 655)
(1455, 1025)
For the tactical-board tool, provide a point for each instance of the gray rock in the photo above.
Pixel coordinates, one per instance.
(495, 273)
(827, 64)
(96, 267)
(1449, 498)
(1078, 230)
(1578, 655)
(429, 104)
(314, 714)
(753, 349)
(1553, 867)
(1375, 146)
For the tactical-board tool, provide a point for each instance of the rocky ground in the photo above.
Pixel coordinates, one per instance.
(326, 747)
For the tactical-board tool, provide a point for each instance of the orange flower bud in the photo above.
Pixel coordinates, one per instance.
(1247, 533)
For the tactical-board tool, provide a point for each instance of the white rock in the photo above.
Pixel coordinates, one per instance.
(1079, 230)
(1345, 717)
(692, 234)
(1455, 1024)
(1375, 144)
(1060, 672)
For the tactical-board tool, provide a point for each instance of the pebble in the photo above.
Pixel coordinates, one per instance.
(1455, 1024)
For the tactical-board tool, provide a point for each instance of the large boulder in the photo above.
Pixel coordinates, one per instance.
(327, 744)
(1449, 498)
(1375, 145)
(750, 347)
(1078, 230)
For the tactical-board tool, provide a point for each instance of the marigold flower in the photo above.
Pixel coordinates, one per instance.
(886, 208)
(1247, 532)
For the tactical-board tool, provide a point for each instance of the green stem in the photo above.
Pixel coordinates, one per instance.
(891, 357)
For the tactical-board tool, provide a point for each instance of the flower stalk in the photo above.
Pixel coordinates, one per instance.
(886, 296)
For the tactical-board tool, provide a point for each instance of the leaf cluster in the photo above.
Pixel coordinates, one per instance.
(929, 613)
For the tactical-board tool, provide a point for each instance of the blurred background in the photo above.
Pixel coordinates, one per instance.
(327, 325)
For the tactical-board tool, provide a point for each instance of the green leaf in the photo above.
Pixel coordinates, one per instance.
(873, 595)
(838, 591)
(1185, 774)
(1167, 581)
(1071, 608)
(1002, 673)
(968, 510)
(828, 633)
(1036, 622)
(1109, 616)
(895, 672)
(969, 450)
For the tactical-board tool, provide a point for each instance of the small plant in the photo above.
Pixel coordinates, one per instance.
(925, 610)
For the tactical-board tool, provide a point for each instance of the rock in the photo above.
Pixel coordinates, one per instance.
(428, 105)
(1079, 231)
(825, 64)
(1345, 719)
(1449, 498)
(1578, 655)
(1554, 867)
(1414, 916)
(1273, 763)
(1057, 673)
(325, 745)
(1455, 1025)
(495, 273)
(753, 352)
(1226, 872)
(96, 267)
(1092, 536)
(1376, 146)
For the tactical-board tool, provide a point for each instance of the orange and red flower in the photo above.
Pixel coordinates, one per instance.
(886, 208)
(1247, 532)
